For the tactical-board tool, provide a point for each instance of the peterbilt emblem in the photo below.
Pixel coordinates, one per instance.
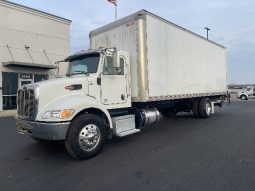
(74, 87)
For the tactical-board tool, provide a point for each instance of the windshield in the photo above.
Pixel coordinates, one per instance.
(84, 64)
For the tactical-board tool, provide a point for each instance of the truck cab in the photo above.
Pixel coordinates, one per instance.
(246, 92)
(103, 69)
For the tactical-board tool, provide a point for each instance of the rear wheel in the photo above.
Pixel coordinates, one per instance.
(205, 108)
(85, 137)
(195, 108)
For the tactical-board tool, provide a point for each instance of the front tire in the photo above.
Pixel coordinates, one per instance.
(85, 137)
(243, 97)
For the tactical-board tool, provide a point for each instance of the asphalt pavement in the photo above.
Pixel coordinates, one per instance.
(179, 153)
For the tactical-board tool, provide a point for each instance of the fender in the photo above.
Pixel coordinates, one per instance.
(243, 94)
(78, 102)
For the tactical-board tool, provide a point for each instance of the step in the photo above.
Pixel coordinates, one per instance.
(129, 132)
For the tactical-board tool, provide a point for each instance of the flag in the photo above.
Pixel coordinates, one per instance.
(113, 2)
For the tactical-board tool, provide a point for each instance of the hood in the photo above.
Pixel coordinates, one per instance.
(62, 81)
(50, 90)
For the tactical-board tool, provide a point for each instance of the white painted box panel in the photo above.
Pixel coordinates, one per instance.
(181, 63)
(167, 61)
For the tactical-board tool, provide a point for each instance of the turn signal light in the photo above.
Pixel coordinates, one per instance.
(66, 113)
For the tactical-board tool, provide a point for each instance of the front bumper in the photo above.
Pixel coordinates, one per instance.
(47, 131)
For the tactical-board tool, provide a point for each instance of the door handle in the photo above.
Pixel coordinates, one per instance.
(99, 81)
(123, 97)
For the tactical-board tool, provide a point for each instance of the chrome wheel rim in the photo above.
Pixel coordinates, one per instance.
(89, 137)
(208, 108)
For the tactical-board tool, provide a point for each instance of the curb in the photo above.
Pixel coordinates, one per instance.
(238, 100)
(8, 113)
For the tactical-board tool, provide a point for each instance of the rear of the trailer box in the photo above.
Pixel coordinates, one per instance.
(167, 61)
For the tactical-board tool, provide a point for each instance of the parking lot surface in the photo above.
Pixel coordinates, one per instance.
(179, 153)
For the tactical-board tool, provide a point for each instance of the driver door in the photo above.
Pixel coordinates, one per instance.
(114, 83)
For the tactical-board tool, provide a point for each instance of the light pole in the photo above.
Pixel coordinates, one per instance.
(207, 30)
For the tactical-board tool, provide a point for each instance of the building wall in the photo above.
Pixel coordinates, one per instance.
(1, 98)
(31, 36)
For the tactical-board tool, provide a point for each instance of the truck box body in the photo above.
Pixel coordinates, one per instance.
(167, 61)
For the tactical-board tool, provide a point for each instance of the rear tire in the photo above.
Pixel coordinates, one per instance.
(205, 108)
(85, 137)
(195, 108)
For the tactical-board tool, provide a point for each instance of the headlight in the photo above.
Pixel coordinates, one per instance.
(58, 114)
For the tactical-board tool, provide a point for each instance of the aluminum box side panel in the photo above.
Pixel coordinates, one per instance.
(180, 63)
(123, 37)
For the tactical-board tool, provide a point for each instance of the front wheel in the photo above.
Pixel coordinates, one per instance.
(243, 97)
(85, 137)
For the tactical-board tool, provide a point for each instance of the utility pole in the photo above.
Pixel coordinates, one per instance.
(116, 12)
(207, 31)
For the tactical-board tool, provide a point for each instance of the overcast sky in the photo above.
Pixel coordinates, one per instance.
(232, 23)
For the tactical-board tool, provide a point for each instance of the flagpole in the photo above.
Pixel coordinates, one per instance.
(115, 12)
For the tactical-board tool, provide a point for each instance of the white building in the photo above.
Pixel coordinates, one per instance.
(31, 41)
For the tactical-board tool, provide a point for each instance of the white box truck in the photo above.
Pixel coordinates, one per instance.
(136, 68)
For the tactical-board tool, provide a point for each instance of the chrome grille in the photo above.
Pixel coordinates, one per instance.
(26, 103)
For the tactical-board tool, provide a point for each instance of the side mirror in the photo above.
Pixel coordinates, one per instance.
(116, 59)
(57, 69)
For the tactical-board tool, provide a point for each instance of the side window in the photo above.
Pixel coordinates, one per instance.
(109, 68)
(122, 64)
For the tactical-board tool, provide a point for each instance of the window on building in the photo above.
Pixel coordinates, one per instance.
(10, 86)
(40, 77)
